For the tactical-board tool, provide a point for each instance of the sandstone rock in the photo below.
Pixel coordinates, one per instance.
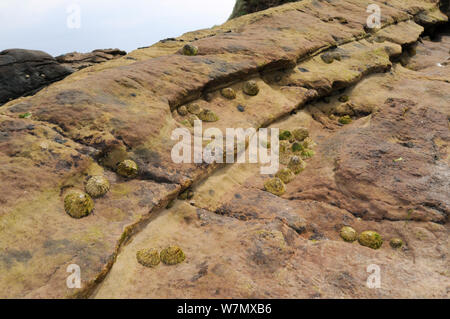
(24, 72)
(242, 240)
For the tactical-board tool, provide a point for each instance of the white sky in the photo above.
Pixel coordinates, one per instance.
(123, 24)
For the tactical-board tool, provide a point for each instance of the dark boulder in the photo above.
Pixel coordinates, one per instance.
(24, 72)
(243, 7)
(78, 61)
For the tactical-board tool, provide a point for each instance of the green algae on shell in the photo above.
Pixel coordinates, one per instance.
(297, 147)
(306, 153)
(190, 50)
(285, 135)
(148, 257)
(348, 234)
(127, 168)
(172, 255)
(97, 186)
(371, 239)
(228, 93)
(286, 175)
(78, 204)
(345, 119)
(300, 134)
(396, 243)
(275, 186)
(208, 116)
(296, 165)
(251, 88)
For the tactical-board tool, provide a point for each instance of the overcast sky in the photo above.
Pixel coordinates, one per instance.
(62, 26)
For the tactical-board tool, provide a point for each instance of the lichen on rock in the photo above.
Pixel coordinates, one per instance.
(172, 255)
(97, 186)
(148, 257)
(371, 239)
(78, 204)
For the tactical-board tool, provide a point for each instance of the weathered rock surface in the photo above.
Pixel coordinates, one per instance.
(23, 72)
(387, 171)
(77, 61)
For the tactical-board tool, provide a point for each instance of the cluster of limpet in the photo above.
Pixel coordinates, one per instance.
(368, 238)
(194, 112)
(171, 255)
(294, 146)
